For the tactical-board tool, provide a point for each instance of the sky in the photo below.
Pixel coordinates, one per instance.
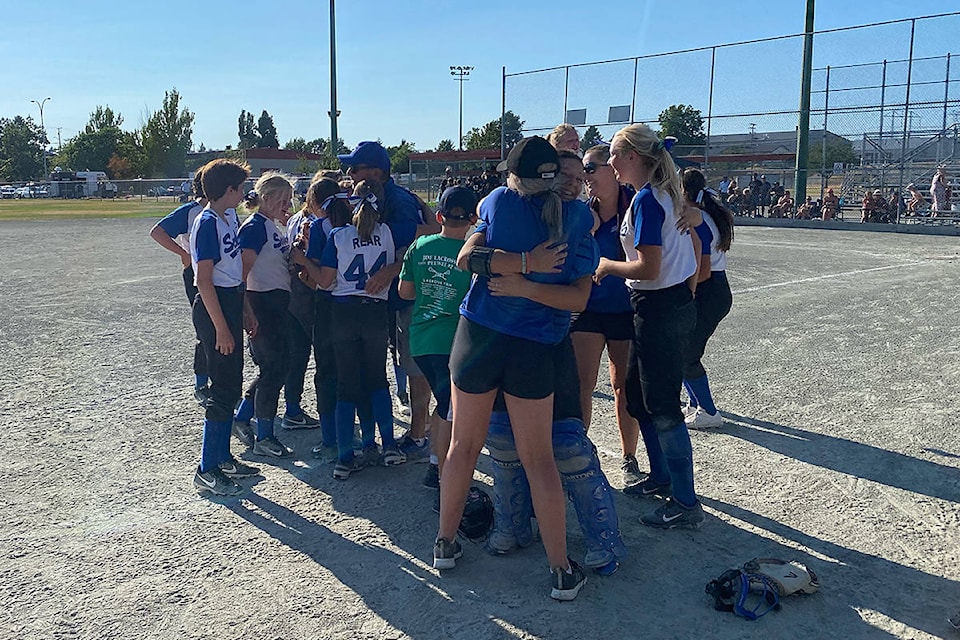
(393, 58)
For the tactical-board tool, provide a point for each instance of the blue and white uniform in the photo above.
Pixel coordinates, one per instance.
(665, 315)
(261, 235)
(214, 238)
(360, 333)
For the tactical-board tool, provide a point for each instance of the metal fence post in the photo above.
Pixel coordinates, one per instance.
(906, 109)
(823, 138)
(566, 89)
(706, 147)
(503, 113)
(946, 98)
(633, 96)
(883, 94)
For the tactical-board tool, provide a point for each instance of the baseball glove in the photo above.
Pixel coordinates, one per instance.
(787, 577)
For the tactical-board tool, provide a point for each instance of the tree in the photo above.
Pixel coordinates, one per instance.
(591, 138)
(103, 118)
(301, 145)
(684, 123)
(488, 136)
(247, 131)
(167, 137)
(21, 148)
(267, 131)
(445, 145)
(837, 151)
(400, 156)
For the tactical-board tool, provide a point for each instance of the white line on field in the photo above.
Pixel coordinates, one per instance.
(826, 277)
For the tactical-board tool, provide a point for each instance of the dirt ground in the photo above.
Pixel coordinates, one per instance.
(838, 371)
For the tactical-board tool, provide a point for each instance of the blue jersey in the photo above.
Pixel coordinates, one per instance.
(320, 230)
(177, 223)
(356, 259)
(214, 238)
(512, 223)
(259, 234)
(612, 295)
(403, 216)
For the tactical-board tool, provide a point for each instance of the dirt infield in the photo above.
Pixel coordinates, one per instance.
(837, 371)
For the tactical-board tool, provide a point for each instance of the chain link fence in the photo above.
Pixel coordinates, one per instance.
(884, 105)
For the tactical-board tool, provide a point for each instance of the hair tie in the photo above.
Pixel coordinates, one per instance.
(337, 196)
(667, 143)
(699, 199)
(370, 198)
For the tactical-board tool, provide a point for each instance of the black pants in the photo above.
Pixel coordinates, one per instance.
(226, 372)
(269, 348)
(199, 357)
(662, 321)
(325, 378)
(300, 337)
(360, 328)
(713, 301)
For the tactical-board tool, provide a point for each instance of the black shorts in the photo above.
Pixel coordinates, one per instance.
(613, 326)
(483, 360)
(436, 369)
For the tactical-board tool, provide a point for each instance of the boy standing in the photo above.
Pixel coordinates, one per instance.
(218, 319)
(431, 279)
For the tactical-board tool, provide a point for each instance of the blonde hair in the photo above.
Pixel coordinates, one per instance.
(367, 214)
(269, 185)
(552, 211)
(642, 140)
(558, 132)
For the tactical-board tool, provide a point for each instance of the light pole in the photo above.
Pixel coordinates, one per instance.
(40, 104)
(460, 75)
(334, 112)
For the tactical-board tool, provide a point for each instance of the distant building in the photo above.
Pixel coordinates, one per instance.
(261, 161)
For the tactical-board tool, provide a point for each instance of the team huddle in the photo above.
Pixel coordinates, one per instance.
(500, 309)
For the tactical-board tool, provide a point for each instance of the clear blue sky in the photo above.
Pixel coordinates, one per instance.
(393, 56)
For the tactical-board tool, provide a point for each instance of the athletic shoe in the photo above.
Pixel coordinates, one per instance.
(688, 409)
(415, 453)
(700, 419)
(432, 478)
(215, 482)
(672, 515)
(324, 453)
(631, 471)
(272, 447)
(446, 554)
(608, 569)
(648, 488)
(566, 584)
(302, 421)
(202, 395)
(233, 468)
(369, 456)
(244, 432)
(392, 456)
(342, 470)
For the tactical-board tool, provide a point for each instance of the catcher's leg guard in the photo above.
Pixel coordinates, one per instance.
(589, 491)
(512, 505)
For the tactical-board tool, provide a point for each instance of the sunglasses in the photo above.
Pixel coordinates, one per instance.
(590, 168)
(355, 168)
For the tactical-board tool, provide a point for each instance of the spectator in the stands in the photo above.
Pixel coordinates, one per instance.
(940, 193)
(896, 206)
(784, 206)
(831, 205)
(804, 211)
(724, 187)
(917, 201)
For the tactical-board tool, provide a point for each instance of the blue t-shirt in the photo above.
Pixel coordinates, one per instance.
(320, 230)
(403, 216)
(512, 223)
(612, 295)
(177, 223)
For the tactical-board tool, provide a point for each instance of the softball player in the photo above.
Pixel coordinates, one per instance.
(713, 298)
(660, 259)
(218, 319)
(264, 253)
(352, 255)
(173, 234)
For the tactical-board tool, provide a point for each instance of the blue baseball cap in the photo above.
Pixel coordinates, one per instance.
(368, 153)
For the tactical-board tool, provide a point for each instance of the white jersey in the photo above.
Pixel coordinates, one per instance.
(295, 222)
(718, 259)
(271, 270)
(215, 238)
(356, 259)
(650, 220)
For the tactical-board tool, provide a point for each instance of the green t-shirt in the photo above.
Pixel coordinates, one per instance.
(431, 263)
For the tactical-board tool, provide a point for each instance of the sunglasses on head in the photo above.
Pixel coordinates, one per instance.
(590, 168)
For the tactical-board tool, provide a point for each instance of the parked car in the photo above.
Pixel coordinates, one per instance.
(8, 191)
(162, 191)
(31, 191)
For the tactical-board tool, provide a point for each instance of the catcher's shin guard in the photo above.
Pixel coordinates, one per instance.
(589, 491)
(512, 506)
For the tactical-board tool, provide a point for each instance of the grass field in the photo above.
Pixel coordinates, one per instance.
(134, 207)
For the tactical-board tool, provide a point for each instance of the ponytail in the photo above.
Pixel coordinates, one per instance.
(366, 215)
(696, 192)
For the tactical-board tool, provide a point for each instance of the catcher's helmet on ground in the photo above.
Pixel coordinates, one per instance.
(477, 517)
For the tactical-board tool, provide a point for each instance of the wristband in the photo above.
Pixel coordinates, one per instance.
(479, 261)
(523, 262)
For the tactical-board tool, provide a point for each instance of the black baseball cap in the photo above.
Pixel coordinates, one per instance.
(461, 197)
(525, 159)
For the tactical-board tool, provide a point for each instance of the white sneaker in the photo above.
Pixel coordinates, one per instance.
(700, 419)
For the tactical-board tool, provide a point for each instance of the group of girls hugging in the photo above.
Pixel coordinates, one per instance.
(509, 322)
